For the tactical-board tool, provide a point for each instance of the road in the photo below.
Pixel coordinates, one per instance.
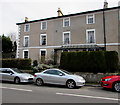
(30, 93)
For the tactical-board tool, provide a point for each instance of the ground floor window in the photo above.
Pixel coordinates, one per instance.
(43, 53)
(25, 54)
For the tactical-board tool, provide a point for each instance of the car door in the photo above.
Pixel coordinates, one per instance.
(7, 75)
(54, 77)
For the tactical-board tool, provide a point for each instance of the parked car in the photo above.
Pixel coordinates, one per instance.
(15, 75)
(112, 82)
(59, 77)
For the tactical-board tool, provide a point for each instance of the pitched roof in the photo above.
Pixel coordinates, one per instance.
(81, 13)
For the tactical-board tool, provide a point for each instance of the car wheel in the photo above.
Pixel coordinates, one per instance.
(71, 84)
(39, 82)
(17, 80)
(116, 86)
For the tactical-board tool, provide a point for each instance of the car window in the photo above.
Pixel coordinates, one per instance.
(53, 72)
(6, 71)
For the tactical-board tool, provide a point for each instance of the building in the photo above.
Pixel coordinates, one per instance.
(45, 39)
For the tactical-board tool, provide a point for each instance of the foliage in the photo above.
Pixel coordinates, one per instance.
(6, 44)
(24, 64)
(92, 61)
(35, 63)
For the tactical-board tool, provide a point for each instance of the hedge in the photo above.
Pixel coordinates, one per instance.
(24, 64)
(90, 61)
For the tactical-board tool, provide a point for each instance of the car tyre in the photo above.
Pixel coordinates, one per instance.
(71, 84)
(39, 82)
(116, 86)
(17, 80)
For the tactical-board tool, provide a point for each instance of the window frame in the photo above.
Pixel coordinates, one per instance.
(87, 40)
(64, 22)
(87, 17)
(45, 53)
(41, 39)
(24, 53)
(69, 37)
(25, 28)
(42, 25)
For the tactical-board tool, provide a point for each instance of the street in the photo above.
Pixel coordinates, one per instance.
(30, 93)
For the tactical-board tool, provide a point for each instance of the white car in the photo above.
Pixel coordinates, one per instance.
(59, 77)
(15, 75)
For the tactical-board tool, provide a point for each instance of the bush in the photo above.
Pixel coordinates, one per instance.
(35, 63)
(24, 64)
(92, 61)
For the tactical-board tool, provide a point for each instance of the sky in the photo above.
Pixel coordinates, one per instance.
(15, 11)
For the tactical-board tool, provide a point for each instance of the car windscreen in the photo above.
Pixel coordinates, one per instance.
(66, 72)
(16, 70)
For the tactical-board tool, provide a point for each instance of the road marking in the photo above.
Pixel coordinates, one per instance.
(65, 94)
(16, 89)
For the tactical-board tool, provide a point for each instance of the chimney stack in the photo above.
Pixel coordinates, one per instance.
(26, 19)
(59, 12)
(105, 4)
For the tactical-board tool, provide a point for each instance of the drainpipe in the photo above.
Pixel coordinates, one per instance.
(104, 30)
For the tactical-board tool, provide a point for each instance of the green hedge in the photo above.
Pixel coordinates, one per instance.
(92, 61)
(24, 64)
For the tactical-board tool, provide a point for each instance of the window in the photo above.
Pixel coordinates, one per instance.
(66, 22)
(42, 55)
(26, 41)
(53, 72)
(43, 25)
(25, 54)
(43, 39)
(66, 37)
(91, 36)
(27, 28)
(90, 19)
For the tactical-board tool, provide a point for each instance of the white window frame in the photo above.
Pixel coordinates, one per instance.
(87, 36)
(64, 22)
(42, 25)
(24, 51)
(24, 41)
(41, 39)
(69, 36)
(87, 17)
(45, 53)
(25, 28)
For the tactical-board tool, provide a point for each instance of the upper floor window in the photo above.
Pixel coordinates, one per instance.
(43, 39)
(90, 19)
(43, 25)
(66, 22)
(90, 35)
(66, 37)
(26, 41)
(27, 28)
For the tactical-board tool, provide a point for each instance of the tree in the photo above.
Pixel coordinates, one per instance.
(6, 44)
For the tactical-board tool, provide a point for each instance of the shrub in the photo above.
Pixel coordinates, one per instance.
(90, 61)
(17, 63)
(35, 63)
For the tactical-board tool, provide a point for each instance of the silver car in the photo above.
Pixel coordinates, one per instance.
(59, 77)
(15, 75)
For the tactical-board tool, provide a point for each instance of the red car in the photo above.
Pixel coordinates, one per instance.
(112, 82)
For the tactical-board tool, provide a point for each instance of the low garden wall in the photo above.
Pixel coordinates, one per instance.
(94, 78)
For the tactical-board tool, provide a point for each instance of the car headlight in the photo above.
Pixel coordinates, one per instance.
(108, 79)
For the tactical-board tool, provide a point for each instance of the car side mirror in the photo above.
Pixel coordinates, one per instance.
(11, 73)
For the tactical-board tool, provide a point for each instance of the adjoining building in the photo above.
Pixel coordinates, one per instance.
(45, 39)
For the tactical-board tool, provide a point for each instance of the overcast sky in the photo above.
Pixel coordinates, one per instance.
(14, 11)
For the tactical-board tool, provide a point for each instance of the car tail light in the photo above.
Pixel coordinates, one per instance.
(35, 75)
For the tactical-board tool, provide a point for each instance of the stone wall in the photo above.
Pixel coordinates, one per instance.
(94, 78)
